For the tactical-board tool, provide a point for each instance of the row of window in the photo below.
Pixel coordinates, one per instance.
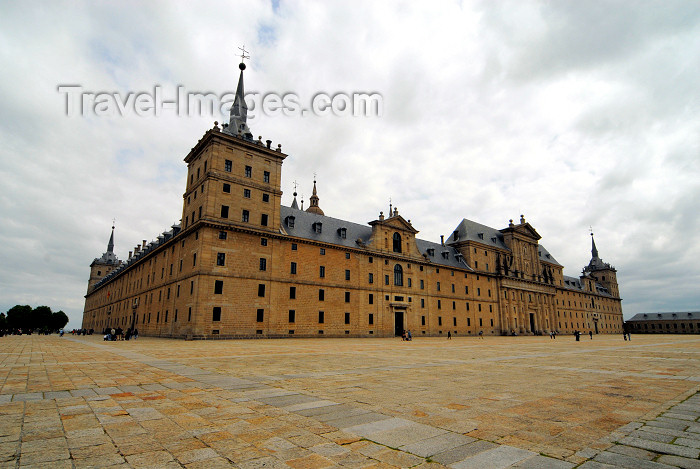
(248, 171)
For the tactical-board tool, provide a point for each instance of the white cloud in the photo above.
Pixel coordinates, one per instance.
(572, 113)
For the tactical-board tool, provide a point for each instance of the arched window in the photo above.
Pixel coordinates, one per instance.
(397, 242)
(398, 275)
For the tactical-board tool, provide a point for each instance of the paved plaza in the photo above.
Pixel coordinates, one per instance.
(527, 402)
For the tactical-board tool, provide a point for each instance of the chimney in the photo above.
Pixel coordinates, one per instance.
(129, 254)
(144, 243)
(442, 239)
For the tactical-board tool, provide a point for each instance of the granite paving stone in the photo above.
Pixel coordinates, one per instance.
(437, 444)
(318, 403)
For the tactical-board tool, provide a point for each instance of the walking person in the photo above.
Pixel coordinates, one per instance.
(590, 333)
(449, 335)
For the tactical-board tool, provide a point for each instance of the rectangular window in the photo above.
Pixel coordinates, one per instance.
(246, 193)
(469, 322)
(422, 320)
(347, 318)
(371, 277)
(371, 318)
(220, 258)
(321, 294)
(422, 285)
(191, 286)
(322, 271)
(260, 315)
(453, 288)
(263, 219)
(347, 275)
(323, 252)
(347, 297)
(218, 287)
(480, 322)
(293, 268)
(409, 282)
(294, 246)
(248, 171)
(478, 292)
(292, 315)
(245, 216)
(228, 166)
(386, 280)
(224, 211)
(263, 241)
(261, 289)
(439, 320)
(454, 322)
(266, 176)
(320, 317)
(216, 313)
(227, 188)
(371, 298)
(263, 263)
(266, 197)
(422, 303)
(439, 304)
(189, 314)
(194, 259)
(438, 286)
(222, 235)
(292, 293)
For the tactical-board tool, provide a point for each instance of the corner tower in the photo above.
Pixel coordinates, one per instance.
(602, 272)
(233, 179)
(101, 266)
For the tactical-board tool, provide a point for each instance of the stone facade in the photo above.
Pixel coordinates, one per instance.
(241, 264)
(236, 268)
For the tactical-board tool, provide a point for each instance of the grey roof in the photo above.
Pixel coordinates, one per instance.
(331, 233)
(469, 230)
(574, 283)
(162, 239)
(677, 316)
(108, 258)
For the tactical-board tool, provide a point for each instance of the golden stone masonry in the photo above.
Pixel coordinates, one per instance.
(240, 264)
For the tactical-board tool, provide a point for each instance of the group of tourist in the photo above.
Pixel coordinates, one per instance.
(119, 334)
(406, 335)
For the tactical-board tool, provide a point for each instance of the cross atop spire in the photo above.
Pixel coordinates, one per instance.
(243, 53)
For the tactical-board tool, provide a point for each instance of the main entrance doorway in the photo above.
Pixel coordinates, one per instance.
(398, 323)
(532, 322)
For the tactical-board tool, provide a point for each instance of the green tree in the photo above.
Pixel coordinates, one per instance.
(18, 317)
(41, 318)
(3, 321)
(59, 319)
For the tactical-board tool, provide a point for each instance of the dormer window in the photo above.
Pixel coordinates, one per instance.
(493, 240)
(445, 254)
(481, 235)
(342, 232)
(455, 235)
(317, 227)
(431, 251)
(289, 221)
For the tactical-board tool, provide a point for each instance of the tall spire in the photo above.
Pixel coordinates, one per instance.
(239, 109)
(313, 202)
(110, 244)
(294, 202)
(594, 250)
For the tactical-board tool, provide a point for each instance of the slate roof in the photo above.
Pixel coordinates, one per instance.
(469, 230)
(162, 239)
(677, 316)
(330, 232)
(574, 283)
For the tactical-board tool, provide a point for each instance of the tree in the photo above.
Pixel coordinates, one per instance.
(18, 317)
(59, 319)
(41, 318)
(3, 321)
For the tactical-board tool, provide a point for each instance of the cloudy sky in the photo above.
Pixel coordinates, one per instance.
(575, 114)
